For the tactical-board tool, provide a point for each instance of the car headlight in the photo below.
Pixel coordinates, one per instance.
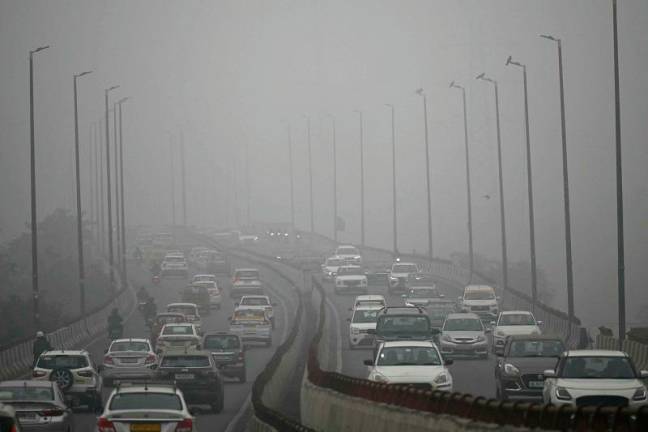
(499, 333)
(355, 331)
(446, 338)
(380, 378)
(442, 378)
(481, 338)
(639, 394)
(562, 393)
(393, 279)
(510, 369)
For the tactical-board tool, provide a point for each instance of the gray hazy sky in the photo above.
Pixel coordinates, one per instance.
(228, 73)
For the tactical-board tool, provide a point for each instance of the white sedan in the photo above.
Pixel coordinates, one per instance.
(513, 323)
(594, 378)
(414, 363)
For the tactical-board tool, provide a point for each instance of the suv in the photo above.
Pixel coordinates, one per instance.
(75, 373)
(350, 278)
(174, 264)
(400, 274)
(513, 323)
(481, 300)
(196, 374)
(228, 352)
(399, 323)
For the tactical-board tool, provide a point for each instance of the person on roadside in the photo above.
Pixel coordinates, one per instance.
(41, 345)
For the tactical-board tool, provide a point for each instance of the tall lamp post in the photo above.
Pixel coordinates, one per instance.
(500, 180)
(78, 196)
(117, 200)
(362, 197)
(183, 177)
(109, 227)
(393, 143)
(568, 247)
(421, 93)
(335, 204)
(121, 194)
(292, 183)
(310, 174)
(534, 275)
(32, 164)
(173, 185)
(471, 255)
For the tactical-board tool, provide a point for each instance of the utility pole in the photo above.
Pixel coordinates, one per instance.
(109, 227)
(247, 184)
(121, 194)
(117, 201)
(102, 212)
(91, 193)
(362, 196)
(393, 142)
(292, 183)
(421, 93)
(310, 174)
(183, 174)
(335, 206)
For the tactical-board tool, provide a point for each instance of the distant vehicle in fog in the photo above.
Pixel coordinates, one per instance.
(350, 254)
(331, 266)
(350, 278)
(513, 323)
(481, 300)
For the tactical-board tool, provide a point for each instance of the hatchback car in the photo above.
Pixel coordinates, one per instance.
(513, 323)
(39, 405)
(128, 358)
(463, 335)
(228, 352)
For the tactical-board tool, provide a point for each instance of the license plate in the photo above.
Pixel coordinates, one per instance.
(129, 360)
(184, 376)
(536, 384)
(145, 427)
(27, 416)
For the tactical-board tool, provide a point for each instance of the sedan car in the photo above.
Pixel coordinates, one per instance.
(519, 371)
(422, 296)
(414, 363)
(513, 323)
(595, 378)
(251, 325)
(128, 358)
(39, 405)
(146, 407)
(463, 335)
(177, 335)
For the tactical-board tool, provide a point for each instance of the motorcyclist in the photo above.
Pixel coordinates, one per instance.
(115, 322)
(150, 309)
(156, 268)
(41, 345)
(137, 254)
(142, 294)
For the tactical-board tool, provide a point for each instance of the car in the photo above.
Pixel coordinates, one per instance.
(202, 277)
(513, 323)
(246, 281)
(196, 374)
(400, 274)
(228, 352)
(198, 294)
(189, 310)
(215, 296)
(38, 405)
(403, 322)
(174, 264)
(595, 378)
(195, 252)
(128, 358)
(519, 370)
(479, 299)
(422, 295)
(213, 261)
(375, 300)
(165, 318)
(378, 274)
(146, 407)
(75, 373)
(418, 364)
(463, 335)
(349, 253)
(350, 278)
(251, 325)
(363, 319)
(330, 267)
(261, 302)
(177, 335)
(8, 420)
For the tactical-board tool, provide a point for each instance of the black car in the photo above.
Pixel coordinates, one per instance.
(196, 374)
(228, 352)
(518, 371)
(403, 323)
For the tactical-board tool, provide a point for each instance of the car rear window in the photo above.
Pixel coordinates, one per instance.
(25, 393)
(185, 310)
(479, 295)
(130, 346)
(223, 342)
(247, 274)
(186, 361)
(145, 401)
(254, 301)
(177, 330)
(62, 361)
(167, 319)
(403, 324)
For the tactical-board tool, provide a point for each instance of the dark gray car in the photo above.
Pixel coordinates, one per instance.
(228, 353)
(518, 371)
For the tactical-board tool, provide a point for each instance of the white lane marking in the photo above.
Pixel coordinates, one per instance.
(338, 333)
(237, 418)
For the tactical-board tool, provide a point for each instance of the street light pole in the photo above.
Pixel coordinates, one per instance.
(427, 173)
(109, 227)
(393, 143)
(362, 189)
(568, 247)
(117, 201)
(183, 176)
(78, 196)
(501, 182)
(471, 255)
(32, 163)
(292, 183)
(335, 204)
(121, 194)
(101, 209)
(310, 174)
(91, 193)
(247, 183)
(534, 277)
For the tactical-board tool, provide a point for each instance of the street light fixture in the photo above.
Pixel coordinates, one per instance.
(483, 77)
(394, 220)
(109, 227)
(468, 190)
(421, 93)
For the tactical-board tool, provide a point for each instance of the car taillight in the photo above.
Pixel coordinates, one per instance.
(38, 374)
(105, 425)
(150, 359)
(108, 360)
(85, 374)
(51, 413)
(185, 425)
(241, 356)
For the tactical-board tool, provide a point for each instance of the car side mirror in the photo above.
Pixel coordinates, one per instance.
(448, 362)
(549, 373)
(371, 331)
(643, 374)
(368, 362)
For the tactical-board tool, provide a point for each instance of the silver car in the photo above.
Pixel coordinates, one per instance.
(39, 405)
(463, 335)
(146, 407)
(128, 358)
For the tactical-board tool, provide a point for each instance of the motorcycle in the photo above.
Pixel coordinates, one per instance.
(115, 332)
(156, 280)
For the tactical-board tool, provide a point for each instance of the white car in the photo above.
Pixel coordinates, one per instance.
(128, 358)
(251, 325)
(215, 297)
(595, 377)
(513, 323)
(195, 252)
(481, 300)
(350, 278)
(203, 277)
(414, 363)
(330, 267)
(259, 302)
(174, 264)
(146, 407)
(363, 319)
(350, 254)
(370, 300)
(422, 296)
(177, 335)
(400, 274)
(190, 311)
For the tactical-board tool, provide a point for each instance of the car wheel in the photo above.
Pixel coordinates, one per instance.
(63, 378)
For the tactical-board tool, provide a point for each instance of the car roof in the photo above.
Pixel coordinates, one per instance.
(462, 315)
(178, 324)
(408, 343)
(535, 337)
(595, 353)
(265, 297)
(221, 333)
(67, 352)
(130, 340)
(369, 297)
(478, 288)
(27, 383)
(402, 310)
(164, 314)
(204, 275)
(346, 246)
(146, 387)
(368, 308)
(246, 269)
(516, 312)
(182, 304)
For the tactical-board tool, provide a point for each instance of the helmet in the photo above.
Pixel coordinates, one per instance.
(40, 334)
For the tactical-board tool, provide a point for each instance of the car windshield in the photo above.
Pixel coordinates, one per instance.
(249, 315)
(404, 324)
(224, 342)
(177, 330)
(479, 295)
(145, 401)
(350, 271)
(424, 293)
(186, 361)
(247, 274)
(130, 346)
(370, 303)
(174, 259)
(409, 356)
(167, 319)
(334, 262)
(204, 284)
(536, 348)
(516, 320)
(204, 278)
(347, 250)
(463, 324)
(26, 393)
(254, 301)
(62, 361)
(404, 268)
(365, 316)
(598, 367)
(184, 310)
